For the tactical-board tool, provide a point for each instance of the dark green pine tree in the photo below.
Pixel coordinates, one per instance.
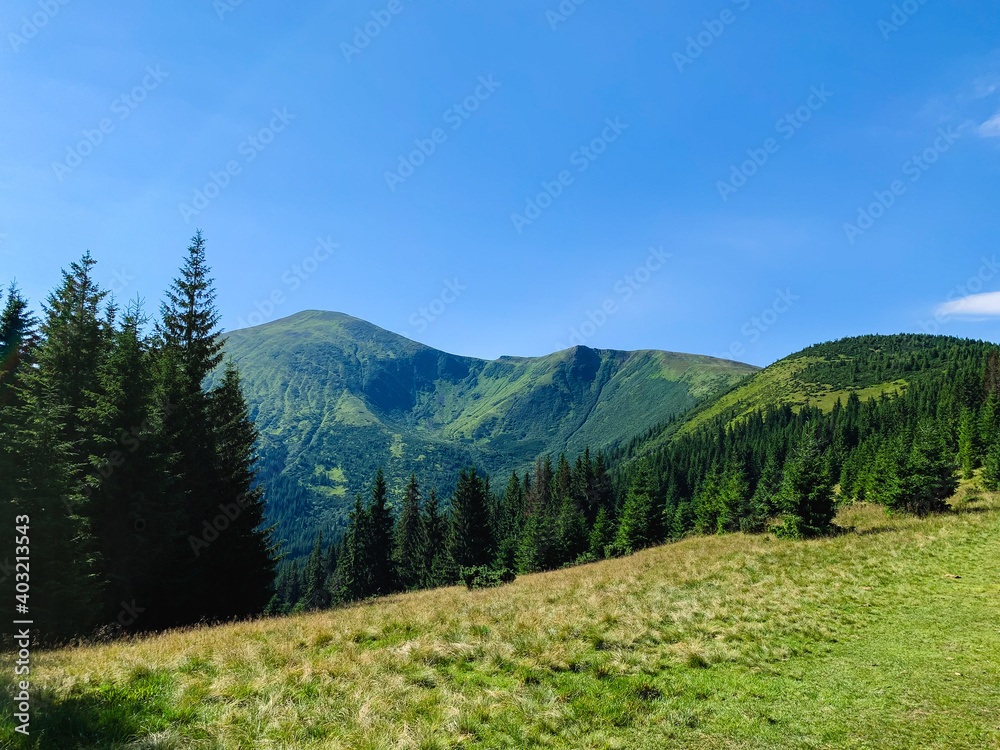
(352, 580)
(882, 480)
(734, 497)
(190, 349)
(37, 481)
(127, 502)
(76, 335)
(806, 496)
(433, 544)
(930, 473)
(637, 528)
(684, 519)
(508, 523)
(295, 589)
(991, 465)
(408, 555)
(571, 526)
(989, 422)
(603, 534)
(968, 442)
(763, 504)
(706, 504)
(316, 595)
(469, 541)
(380, 529)
(247, 552)
(63, 384)
(538, 549)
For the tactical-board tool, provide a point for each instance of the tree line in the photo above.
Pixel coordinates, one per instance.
(786, 469)
(138, 483)
(547, 518)
(782, 470)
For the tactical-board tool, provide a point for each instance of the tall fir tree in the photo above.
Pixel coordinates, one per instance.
(638, 526)
(806, 496)
(380, 529)
(968, 439)
(433, 543)
(189, 350)
(316, 594)
(930, 477)
(246, 550)
(469, 540)
(408, 555)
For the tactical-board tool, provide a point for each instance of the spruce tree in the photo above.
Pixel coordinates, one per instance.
(189, 350)
(991, 466)
(316, 594)
(968, 448)
(806, 496)
(538, 549)
(432, 544)
(930, 473)
(380, 541)
(602, 535)
(763, 503)
(408, 556)
(246, 549)
(469, 540)
(353, 577)
(128, 500)
(637, 527)
(733, 497)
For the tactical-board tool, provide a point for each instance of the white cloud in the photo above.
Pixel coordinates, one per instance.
(975, 305)
(991, 128)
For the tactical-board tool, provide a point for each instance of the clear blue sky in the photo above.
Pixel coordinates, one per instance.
(506, 95)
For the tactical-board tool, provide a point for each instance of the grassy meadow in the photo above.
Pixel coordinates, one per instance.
(887, 636)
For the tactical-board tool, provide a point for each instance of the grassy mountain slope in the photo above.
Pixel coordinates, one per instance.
(335, 397)
(868, 366)
(883, 637)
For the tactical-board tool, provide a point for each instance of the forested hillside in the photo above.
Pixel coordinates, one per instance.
(336, 398)
(883, 418)
(130, 487)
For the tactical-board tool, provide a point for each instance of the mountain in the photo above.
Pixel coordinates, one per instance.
(335, 397)
(820, 376)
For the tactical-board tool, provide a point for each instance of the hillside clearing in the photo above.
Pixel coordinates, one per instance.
(884, 637)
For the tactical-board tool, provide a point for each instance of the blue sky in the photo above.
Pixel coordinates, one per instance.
(735, 178)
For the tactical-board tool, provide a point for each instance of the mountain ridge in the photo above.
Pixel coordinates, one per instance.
(335, 397)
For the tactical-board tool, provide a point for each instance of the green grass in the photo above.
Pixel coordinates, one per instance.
(886, 636)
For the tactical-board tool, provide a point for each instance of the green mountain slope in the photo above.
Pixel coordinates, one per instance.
(335, 397)
(869, 366)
